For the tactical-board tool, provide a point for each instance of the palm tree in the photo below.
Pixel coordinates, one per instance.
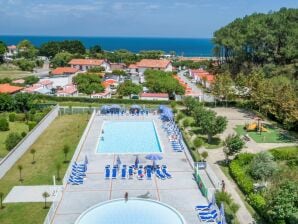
(65, 151)
(33, 151)
(58, 167)
(20, 168)
(45, 195)
(1, 200)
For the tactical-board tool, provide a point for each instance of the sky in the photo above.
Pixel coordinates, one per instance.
(137, 18)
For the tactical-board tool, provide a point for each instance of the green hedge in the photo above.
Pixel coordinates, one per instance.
(244, 181)
(102, 101)
(257, 201)
(285, 153)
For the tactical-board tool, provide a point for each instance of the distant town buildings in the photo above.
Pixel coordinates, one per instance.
(203, 77)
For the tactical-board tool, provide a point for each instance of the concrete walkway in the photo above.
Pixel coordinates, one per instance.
(32, 193)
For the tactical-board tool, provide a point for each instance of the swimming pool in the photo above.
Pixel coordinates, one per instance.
(128, 137)
(133, 211)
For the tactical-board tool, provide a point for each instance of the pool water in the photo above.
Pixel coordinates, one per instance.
(128, 137)
(133, 211)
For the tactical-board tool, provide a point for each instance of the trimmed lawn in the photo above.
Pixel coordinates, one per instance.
(66, 129)
(14, 74)
(16, 213)
(13, 127)
(273, 135)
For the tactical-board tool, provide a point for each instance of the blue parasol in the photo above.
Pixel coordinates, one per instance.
(86, 160)
(137, 161)
(118, 161)
(154, 157)
(222, 214)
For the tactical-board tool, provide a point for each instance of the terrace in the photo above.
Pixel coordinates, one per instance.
(180, 192)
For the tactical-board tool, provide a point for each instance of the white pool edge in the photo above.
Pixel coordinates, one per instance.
(134, 198)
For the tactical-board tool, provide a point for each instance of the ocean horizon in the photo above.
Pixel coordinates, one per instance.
(183, 46)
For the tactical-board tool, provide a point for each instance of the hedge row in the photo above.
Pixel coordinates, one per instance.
(285, 153)
(244, 182)
(102, 101)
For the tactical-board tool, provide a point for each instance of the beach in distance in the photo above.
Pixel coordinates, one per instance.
(189, 47)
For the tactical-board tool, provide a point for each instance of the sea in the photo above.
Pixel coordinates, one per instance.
(187, 47)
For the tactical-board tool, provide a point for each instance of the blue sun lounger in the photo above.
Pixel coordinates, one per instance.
(203, 207)
(213, 212)
(140, 174)
(149, 174)
(107, 173)
(75, 182)
(159, 174)
(114, 173)
(130, 172)
(208, 218)
(165, 172)
(123, 173)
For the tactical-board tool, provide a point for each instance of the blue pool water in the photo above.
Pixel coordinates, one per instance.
(128, 137)
(133, 211)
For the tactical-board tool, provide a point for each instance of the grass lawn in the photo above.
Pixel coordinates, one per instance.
(273, 135)
(16, 213)
(13, 127)
(48, 148)
(14, 74)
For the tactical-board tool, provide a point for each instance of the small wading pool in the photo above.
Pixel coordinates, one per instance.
(133, 211)
(128, 137)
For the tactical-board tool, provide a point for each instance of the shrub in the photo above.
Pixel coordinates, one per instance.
(186, 123)
(31, 125)
(198, 142)
(38, 117)
(20, 117)
(180, 116)
(4, 125)
(24, 134)
(244, 158)
(244, 182)
(230, 207)
(12, 140)
(257, 201)
(12, 117)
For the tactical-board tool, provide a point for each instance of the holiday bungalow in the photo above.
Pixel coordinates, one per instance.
(85, 64)
(64, 71)
(141, 66)
(203, 77)
(44, 86)
(67, 90)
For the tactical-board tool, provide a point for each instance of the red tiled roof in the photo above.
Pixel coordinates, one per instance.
(203, 74)
(32, 88)
(151, 63)
(109, 82)
(132, 66)
(68, 89)
(7, 88)
(160, 95)
(12, 47)
(94, 62)
(45, 82)
(64, 70)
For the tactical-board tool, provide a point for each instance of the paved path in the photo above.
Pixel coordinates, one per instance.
(32, 193)
(195, 89)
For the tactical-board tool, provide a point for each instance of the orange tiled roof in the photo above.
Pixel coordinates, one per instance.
(7, 88)
(161, 95)
(151, 63)
(64, 70)
(45, 82)
(12, 47)
(203, 74)
(94, 62)
(18, 81)
(132, 66)
(68, 89)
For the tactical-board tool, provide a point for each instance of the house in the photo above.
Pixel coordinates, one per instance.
(44, 86)
(154, 96)
(105, 95)
(141, 66)
(64, 71)
(118, 66)
(203, 77)
(110, 85)
(67, 90)
(12, 50)
(18, 81)
(85, 64)
(133, 69)
(9, 89)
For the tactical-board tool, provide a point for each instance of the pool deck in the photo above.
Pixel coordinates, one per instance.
(180, 192)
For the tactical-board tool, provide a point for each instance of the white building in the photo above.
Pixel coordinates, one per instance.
(85, 64)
